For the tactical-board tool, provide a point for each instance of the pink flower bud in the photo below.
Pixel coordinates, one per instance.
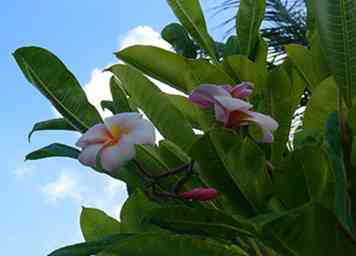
(200, 194)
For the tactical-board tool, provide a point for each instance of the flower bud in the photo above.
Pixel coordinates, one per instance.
(200, 194)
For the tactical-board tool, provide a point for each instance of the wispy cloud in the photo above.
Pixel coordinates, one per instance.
(66, 186)
(23, 171)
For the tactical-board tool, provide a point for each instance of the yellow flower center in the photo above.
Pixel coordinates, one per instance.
(117, 132)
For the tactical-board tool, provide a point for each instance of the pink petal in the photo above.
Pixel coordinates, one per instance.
(232, 104)
(204, 94)
(115, 156)
(242, 90)
(200, 194)
(96, 134)
(267, 124)
(89, 154)
(220, 114)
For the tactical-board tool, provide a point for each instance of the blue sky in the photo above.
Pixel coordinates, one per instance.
(41, 201)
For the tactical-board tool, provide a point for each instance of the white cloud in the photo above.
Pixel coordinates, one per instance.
(88, 189)
(66, 186)
(23, 171)
(144, 35)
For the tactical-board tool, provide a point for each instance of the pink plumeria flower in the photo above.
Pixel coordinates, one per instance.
(231, 109)
(200, 194)
(113, 142)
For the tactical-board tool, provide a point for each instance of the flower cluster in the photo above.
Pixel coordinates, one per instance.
(112, 144)
(231, 108)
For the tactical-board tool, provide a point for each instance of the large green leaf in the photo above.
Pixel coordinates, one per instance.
(136, 207)
(249, 19)
(53, 150)
(304, 176)
(173, 245)
(303, 62)
(281, 94)
(92, 247)
(120, 99)
(336, 22)
(308, 230)
(171, 154)
(168, 120)
(178, 37)
(190, 14)
(232, 46)
(210, 153)
(242, 69)
(49, 75)
(200, 221)
(52, 124)
(336, 155)
(247, 166)
(96, 224)
(321, 105)
(177, 71)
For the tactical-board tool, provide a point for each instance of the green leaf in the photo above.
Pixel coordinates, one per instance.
(49, 75)
(168, 120)
(335, 150)
(232, 46)
(321, 105)
(96, 224)
(200, 221)
(54, 150)
(120, 99)
(303, 62)
(210, 153)
(136, 207)
(175, 70)
(308, 230)
(247, 166)
(336, 21)
(92, 247)
(178, 37)
(304, 176)
(107, 104)
(172, 154)
(173, 245)
(190, 14)
(280, 92)
(249, 19)
(242, 69)
(52, 124)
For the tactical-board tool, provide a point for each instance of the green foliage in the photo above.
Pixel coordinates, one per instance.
(49, 75)
(272, 199)
(96, 224)
(53, 150)
(53, 124)
(249, 19)
(178, 37)
(336, 20)
(190, 14)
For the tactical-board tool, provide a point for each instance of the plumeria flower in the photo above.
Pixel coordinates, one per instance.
(231, 109)
(200, 194)
(113, 142)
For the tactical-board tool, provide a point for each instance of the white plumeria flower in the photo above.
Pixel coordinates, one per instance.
(113, 142)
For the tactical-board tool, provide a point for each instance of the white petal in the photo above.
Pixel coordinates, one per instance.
(121, 120)
(89, 154)
(141, 132)
(96, 134)
(220, 114)
(267, 124)
(114, 157)
(232, 104)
